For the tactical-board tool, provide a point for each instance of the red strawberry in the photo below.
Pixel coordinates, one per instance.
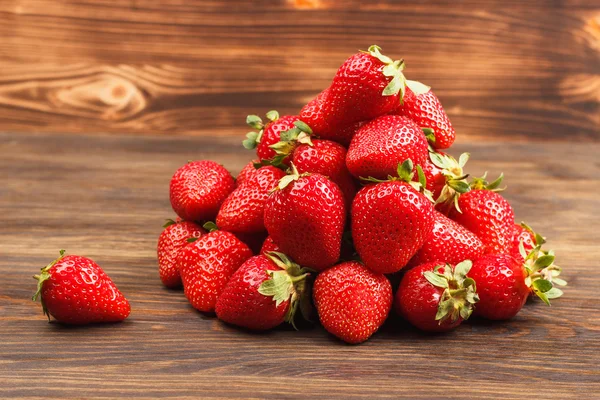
(436, 297)
(198, 189)
(246, 172)
(171, 240)
(268, 134)
(366, 86)
(445, 178)
(352, 302)
(380, 145)
(391, 221)
(269, 246)
(207, 264)
(449, 243)
(243, 210)
(306, 218)
(263, 293)
(488, 215)
(75, 290)
(524, 234)
(423, 107)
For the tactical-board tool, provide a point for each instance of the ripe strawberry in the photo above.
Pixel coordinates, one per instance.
(435, 297)
(75, 290)
(380, 145)
(207, 264)
(243, 211)
(198, 189)
(305, 216)
(391, 221)
(246, 172)
(445, 178)
(449, 243)
(352, 302)
(524, 234)
(269, 246)
(263, 293)
(366, 86)
(268, 134)
(170, 241)
(423, 107)
(488, 215)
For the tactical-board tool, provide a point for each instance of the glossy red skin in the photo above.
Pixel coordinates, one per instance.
(352, 301)
(79, 292)
(417, 300)
(528, 238)
(427, 111)
(488, 215)
(243, 210)
(435, 180)
(501, 286)
(207, 264)
(380, 145)
(390, 222)
(241, 304)
(269, 245)
(307, 220)
(329, 159)
(198, 189)
(171, 240)
(246, 172)
(448, 242)
(272, 135)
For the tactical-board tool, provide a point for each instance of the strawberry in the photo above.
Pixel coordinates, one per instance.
(246, 172)
(366, 86)
(448, 242)
(488, 215)
(445, 178)
(380, 145)
(170, 241)
(269, 246)
(423, 107)
(524, 234)
(436, 297)
(198, 189)
(268, 134)
(305, 216)
(207, 264)
(352, 301)
(242, 212)
(390, 221)
(75, 290)
(263, 293)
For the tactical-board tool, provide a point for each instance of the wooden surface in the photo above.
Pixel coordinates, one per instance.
(519, 69)
(105, 197)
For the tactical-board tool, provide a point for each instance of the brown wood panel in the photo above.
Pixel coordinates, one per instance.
(522, 69)
(105, 196)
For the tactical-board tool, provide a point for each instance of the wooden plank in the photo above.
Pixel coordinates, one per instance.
(526, 70)
(105, 197)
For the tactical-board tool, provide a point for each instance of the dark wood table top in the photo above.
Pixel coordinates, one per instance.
(106, 197)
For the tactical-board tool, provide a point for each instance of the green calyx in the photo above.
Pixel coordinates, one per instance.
(209, 226)
(459, 294)
(288, 141)
(293, 175)
(42, 277)
(169, 222)
(482, 183)
(456, 180)
(542, 273)
(255, 122)
(406, 174)
(392, 69)
(287, 284)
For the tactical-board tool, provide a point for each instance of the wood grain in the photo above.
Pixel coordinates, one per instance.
(105, 197)
(513, 69)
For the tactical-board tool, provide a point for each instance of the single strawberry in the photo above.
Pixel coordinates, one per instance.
(198, 189)
(391, 221)
(366, 86)
(269, 246)
(75, 290)
(380, 145)
(445, 178)
(207, 264)
(522, 233)
(305, 216)
(246, 172)
(449, 243)
(263, 293)
(244, 208)
(268, 134)
(435, 297)
(488, 215)
(171, 240)
(352, 301)
(423, 107)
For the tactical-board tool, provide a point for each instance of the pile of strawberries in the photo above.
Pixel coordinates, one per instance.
(350, 208)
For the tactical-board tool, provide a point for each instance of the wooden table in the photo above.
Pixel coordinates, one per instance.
(106, 197)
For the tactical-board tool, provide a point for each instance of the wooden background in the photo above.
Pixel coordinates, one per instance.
(525, 69)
